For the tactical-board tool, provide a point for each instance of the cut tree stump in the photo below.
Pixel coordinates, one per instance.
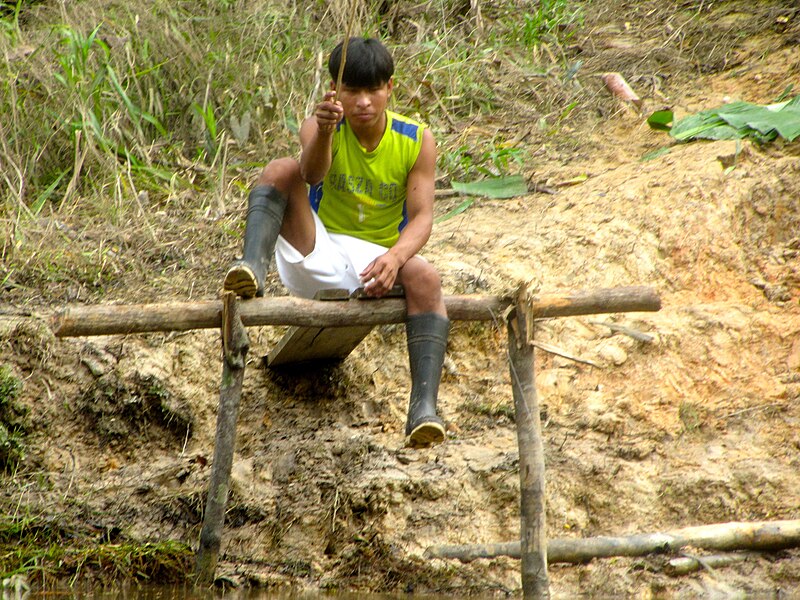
(324, 344)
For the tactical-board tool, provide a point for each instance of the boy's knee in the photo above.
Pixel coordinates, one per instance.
(281, 173)
(424, 290)
(422, 276)
(432, 278)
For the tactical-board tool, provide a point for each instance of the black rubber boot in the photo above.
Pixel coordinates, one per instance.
(265, 208)
(427, 340)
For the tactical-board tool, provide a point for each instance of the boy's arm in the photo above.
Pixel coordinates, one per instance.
(316, 134)
(419, 205)
(419, 202)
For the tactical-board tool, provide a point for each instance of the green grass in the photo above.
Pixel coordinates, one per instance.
(13, 421)
(549, 19)
(46, 552)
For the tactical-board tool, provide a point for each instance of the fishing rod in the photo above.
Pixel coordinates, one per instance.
(345, 43)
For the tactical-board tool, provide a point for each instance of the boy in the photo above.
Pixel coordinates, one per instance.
(368, 211)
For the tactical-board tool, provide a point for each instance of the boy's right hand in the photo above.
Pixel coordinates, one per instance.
(328, 113)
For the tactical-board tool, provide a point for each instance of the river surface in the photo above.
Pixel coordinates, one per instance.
(150, 592)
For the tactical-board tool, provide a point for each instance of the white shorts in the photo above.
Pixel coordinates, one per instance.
(335, 262)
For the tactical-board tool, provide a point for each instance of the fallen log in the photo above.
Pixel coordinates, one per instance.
(759, 536)
(683, 565)
(286, 310)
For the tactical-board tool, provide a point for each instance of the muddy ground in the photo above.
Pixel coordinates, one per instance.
(697, 426)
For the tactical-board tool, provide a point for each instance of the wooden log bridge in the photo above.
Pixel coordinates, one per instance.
(518, 310)
(115, 319)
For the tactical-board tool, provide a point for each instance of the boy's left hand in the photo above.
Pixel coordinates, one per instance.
(380, 275)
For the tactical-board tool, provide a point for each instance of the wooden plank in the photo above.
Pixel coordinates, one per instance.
(316, 344)
(309, 344)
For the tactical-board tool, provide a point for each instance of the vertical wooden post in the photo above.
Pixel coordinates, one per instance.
(533, 535)
(235, 345)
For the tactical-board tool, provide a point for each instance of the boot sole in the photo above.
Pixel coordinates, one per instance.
(241, 280)
(426, 434)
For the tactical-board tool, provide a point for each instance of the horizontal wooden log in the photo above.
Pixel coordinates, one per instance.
(761, 536)
(287, 310)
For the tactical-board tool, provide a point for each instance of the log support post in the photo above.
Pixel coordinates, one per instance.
(533, 535)
(235, 344)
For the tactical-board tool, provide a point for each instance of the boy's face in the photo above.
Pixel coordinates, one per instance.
(364, 107)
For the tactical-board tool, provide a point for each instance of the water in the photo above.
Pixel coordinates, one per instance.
(152, 592)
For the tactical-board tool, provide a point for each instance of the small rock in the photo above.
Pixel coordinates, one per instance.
(285, 467)
(242, 475)
(97, 360)
(793, 361)
(614, 354)
(777, 293)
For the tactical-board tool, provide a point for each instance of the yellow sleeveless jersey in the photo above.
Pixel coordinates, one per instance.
(364, 193)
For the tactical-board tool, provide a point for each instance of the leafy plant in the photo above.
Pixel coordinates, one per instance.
(496, 160)
(101, 93)
(551, 18)
(691, 416)
(12, 421)
(9, 17)
(206, 114)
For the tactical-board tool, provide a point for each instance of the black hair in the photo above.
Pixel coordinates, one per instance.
(368, 63)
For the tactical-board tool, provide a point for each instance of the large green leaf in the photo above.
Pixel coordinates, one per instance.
(740, 119)
(785, 122)
(661, 120)
(706, 124)
(456, 211)
(496, 187)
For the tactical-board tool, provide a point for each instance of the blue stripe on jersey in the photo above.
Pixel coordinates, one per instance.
(406, 129)
(315, 196)
(404, 220)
